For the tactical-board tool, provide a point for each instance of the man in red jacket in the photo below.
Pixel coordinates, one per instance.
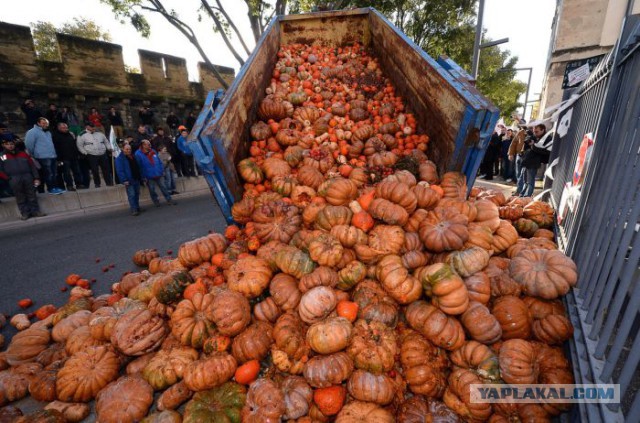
(19, 168)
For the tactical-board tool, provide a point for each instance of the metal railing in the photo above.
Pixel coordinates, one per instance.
(600, 229)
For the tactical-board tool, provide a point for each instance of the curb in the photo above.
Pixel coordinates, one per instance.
(89, 211)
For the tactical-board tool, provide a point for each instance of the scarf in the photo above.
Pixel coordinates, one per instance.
(149, 156)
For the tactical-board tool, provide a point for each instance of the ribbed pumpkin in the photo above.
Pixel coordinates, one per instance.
(443, 331)
(316, 304)
(458, 398)
(544, 273)
(253, 343)
(192, 253)
(167, 367)
(169, 287)
(374, 304)
(514, 317)
(359, 412)
(398, 193)
(444, 230)
(325, 370)
(446, 289)
(294, 262)
(418, 409)
(373, 347)
(338, 191)
(454, 185)
(142, 258)
(210, 372)
(351, 275)
(525, 227)
(138, 332)
(230, 311)
(222, 403)
(332, 216)
(424, 365)
(504, 237)
(396, 280)
(479, 358)
(540, 212)
(487, 214)
(479, 287)
(518, 362)
(265, 402)
(276, 221)
(388, 212)
(86, 373)
(188, 321)
(369, 387)
(325, 250)
(250, 171)
(249, 276)
(481, 324)
(469, 261)
(330, 335)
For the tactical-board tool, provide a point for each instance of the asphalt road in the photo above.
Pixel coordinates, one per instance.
(35, 261)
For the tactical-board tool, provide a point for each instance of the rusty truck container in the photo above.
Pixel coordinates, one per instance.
(448, 108)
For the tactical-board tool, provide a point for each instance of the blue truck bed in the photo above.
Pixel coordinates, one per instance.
(448, 108)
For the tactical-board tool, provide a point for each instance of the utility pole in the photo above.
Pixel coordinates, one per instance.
(526, 96)
(476, 46)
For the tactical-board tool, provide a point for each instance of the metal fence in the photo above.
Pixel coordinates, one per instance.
(599, 226)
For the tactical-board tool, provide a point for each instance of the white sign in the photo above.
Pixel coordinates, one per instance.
(578, 75)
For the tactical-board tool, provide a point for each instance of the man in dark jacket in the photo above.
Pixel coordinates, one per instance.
(173, 122)
(53, 115)
(160, 139)
(115, 120)
(21, 171)
(129, 175)
(140, 136)
(67, 152)
(191, 120)
(31, 112)
(146, 118)
(532, 159)
(152, 172)
(490, 156)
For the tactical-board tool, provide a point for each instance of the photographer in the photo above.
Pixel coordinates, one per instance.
(533, 157)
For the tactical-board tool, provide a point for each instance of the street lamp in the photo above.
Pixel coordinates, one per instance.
(526, 97)
(477, 45)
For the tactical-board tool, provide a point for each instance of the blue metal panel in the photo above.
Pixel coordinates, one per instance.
(204, 154)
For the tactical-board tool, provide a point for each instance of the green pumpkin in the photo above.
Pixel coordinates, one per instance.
(294, 262)
(221, 404)
(526, 227)
(351, 275)
(70, 308)
(169, 288)
(297, 98)
(250, 171)
(143, 292)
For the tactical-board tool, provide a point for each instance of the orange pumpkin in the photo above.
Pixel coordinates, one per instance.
(444, 230)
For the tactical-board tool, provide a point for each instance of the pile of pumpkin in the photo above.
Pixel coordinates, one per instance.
(358, 286)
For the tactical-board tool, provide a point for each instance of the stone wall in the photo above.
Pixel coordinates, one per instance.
(92, 74)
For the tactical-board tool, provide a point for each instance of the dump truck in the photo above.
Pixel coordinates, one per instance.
(457, 118)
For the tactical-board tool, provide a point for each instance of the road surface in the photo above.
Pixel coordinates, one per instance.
(34, 261)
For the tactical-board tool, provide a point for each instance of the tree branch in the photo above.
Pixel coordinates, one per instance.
(231, 24)
(189, 34)
(220, 29)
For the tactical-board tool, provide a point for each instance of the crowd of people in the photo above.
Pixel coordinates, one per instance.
(516, 154)
(61, 152)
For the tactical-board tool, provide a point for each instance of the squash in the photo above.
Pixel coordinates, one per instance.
(330, 335)
(210, 372)
(142, 258)
(487, 214)
(388, 212)
(250, 171)
(86, 373)
(27, 344)
(330, 400)
(444, 230)
(424, 366)
(514, 317)
(253, 343)
(173, 397)
(126, 400)
(458, 398)
(276, 221)
(249, 276)
(298, 396)
(446, 289)
(504, 237)
(230, 311)
(539, 212)
(200, 250)
(325, 370)
(325, 250)
(267, 310)
(478, 287)
(373, 347)
(518, 363)
(316, 304)
(289, 336)
(138, 332)
(351, 275)
(63, 329)
(80, 339)
(479, 358)
(443, 331)
(363, 412)
(369, 387)
(418, 409)
(189, 323)
(331, 216)
(396, 280)
(481, 324)
(546, 274)
(170, 286)
(469, 261)
(374, 304)
(454, 185)
(223, 403)
(398, 193)
(294, 262)
(264, 403)
(167, 367)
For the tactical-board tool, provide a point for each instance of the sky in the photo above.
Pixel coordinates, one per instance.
(527, 24)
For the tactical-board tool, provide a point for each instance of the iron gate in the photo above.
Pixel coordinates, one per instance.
(598, 226)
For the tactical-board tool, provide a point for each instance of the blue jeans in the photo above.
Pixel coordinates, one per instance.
(133, 195)
(49, 172)
(519, 175)
(158, 182)
(529, 181)
(169, 179)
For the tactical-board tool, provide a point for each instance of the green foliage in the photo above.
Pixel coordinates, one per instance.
(46, 44)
